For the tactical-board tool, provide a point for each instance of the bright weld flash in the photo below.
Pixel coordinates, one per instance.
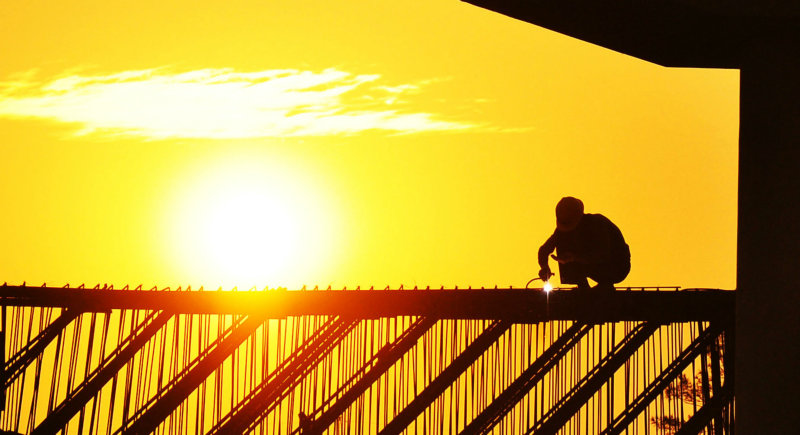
(547, 286)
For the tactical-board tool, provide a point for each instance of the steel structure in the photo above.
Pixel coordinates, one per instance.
(761, 39)
(131, 361)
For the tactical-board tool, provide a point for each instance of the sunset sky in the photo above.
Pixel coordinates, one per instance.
(291, 143)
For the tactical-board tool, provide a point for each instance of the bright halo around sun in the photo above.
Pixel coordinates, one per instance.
(249, 224)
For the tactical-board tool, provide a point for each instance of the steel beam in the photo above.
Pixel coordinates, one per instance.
(706, 413)
(565, 408)
(384, 359)
(268, 394)
(506, 401)
(695, 348)
(147, 419)
(521, 305)
(81, 395)
(447, 377)
(17, 363)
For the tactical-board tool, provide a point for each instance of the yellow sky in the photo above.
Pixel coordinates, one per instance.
(369, 143)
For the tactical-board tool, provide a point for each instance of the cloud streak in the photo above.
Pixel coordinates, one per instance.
(221, 104)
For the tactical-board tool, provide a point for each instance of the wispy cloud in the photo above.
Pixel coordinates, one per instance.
(222, 103)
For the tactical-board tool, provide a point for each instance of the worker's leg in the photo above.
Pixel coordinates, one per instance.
(574, 273)
(608, 274)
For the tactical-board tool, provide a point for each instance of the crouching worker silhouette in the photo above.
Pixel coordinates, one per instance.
(587, 246)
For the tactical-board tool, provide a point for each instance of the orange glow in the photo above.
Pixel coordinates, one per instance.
(247, 223)
(421, 145)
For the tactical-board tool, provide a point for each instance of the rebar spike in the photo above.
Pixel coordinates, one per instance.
(44, 284)
(329, 287)
(80, 286)
(303, 289)
(358, 287)
(316, 287)
(427, 287)
(387, 288)
(401, 287)
(372, 287)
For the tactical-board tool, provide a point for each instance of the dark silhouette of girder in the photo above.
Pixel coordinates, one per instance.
(264, 397)
(492, 332)
(169, 397)
(586, 387)
(343, 401)
(706, 413)
(675, 33)
(368, 374)
(17, 363)
(495, 412)
(658, 385)
(78, 398)
(519, 305)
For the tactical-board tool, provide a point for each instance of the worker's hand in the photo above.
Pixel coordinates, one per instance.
(545, 274)
(564, 257)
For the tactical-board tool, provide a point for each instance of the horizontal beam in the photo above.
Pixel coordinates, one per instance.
(519, 305)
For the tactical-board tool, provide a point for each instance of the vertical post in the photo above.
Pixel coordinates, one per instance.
(3, 357)
(767, 300)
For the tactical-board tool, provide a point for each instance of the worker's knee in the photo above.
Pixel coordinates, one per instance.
(610, 273)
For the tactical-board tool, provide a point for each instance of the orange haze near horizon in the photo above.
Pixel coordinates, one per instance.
(252, 143)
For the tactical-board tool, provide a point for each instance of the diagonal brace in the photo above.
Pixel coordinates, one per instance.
(506, 401)
(17, 363)
(562, 411)
(660, 383)
(269, 393)
(385, 359)
(147, 419)
(78, 398)
(447, 377)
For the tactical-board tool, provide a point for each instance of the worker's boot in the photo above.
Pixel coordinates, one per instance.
(604, 288)
(583, 286)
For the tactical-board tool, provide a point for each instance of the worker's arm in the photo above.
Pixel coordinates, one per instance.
(544, 251)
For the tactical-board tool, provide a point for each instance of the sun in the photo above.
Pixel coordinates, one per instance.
(248, 223)
(249, 231)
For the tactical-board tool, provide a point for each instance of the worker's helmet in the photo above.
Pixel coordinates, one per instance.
(568, 213)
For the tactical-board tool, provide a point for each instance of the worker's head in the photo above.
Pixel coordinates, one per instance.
(569, 212)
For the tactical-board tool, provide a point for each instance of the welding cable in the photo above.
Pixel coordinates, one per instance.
(532, 280)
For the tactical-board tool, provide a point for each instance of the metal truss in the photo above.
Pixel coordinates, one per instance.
(404, 361)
